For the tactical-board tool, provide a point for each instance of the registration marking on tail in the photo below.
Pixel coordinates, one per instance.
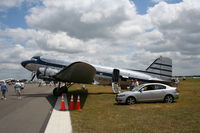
(59, 121)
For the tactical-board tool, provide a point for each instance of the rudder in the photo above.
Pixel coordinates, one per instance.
(161, 68)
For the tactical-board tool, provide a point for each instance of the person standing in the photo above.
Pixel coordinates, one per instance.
(131, 85)
(18, 89)
(4, 89)
(22, 86)
(136, 83)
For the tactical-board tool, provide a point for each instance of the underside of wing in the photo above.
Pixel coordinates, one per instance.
(78, 72)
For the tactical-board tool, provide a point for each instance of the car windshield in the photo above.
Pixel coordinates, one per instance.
(137, 88)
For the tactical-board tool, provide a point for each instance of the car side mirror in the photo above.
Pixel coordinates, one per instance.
(140, 90)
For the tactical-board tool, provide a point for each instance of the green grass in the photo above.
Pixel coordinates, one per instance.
(100, 114)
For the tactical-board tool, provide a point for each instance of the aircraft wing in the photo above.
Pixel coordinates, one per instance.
(78, 72)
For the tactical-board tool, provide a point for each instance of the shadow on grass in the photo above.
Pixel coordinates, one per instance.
(100, 93)
(83, 96)
(142, 103)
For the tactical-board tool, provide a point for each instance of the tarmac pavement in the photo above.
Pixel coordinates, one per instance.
(29, 114)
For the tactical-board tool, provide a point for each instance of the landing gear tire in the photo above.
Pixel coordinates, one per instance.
(63, 89)
(58, 91)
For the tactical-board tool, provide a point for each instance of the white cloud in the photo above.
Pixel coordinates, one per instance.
(157, 1)
(81, 19)
(13, 54)
(179, 26)
(91, 17)
(59, 42)
(10, 3)
(18, 35)
(45, 40)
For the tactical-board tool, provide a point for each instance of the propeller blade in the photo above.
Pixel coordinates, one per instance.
(32, 74)
(33, 77)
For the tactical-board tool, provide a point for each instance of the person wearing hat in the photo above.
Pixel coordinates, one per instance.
(4, 89)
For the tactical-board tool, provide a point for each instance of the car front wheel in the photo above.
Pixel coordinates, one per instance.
(130, 100)
(168, 99)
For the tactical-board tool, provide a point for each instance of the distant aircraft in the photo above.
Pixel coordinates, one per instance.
(80, 72)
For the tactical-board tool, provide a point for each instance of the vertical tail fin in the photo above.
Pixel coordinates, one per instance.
(161, 68)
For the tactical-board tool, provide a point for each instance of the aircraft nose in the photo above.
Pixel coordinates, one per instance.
(24, 63)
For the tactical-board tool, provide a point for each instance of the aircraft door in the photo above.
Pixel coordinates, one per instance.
(115, 80)
(115, 75)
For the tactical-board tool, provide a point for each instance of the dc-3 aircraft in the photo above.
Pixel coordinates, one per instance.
(80, 72)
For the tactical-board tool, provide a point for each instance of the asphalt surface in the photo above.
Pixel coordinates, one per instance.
(29, 114)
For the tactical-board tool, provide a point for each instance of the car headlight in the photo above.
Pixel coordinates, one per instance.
(121, 95)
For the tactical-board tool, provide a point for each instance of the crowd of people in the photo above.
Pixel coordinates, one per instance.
(18, 86)
(132, 84)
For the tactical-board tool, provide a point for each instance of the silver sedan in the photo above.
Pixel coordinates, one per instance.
(148, 92)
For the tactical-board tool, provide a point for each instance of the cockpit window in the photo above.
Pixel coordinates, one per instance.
(35, 58)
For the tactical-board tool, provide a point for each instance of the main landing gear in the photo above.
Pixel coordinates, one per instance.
(59, 90)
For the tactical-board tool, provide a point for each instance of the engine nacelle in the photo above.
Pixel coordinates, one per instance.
(46, 73)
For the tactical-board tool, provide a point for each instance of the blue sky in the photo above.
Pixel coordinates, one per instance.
(143, 5)
(14, 17)
(116, 36)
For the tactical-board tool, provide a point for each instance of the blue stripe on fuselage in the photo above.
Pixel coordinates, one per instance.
(39, 61)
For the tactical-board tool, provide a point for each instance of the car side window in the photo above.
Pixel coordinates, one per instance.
(148, 88)
(159, 87)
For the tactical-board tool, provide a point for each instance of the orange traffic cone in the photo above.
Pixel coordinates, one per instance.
(71, 105)
(62, 105)
(78, 104)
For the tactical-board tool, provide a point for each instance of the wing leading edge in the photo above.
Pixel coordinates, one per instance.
(78, 72)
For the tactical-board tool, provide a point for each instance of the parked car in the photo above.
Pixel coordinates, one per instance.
(148, 92)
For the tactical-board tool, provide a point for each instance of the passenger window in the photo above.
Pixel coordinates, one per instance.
(144, 88)
(148, 88)
(160, 87)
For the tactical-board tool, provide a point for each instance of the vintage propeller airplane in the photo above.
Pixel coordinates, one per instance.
(81, 72)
